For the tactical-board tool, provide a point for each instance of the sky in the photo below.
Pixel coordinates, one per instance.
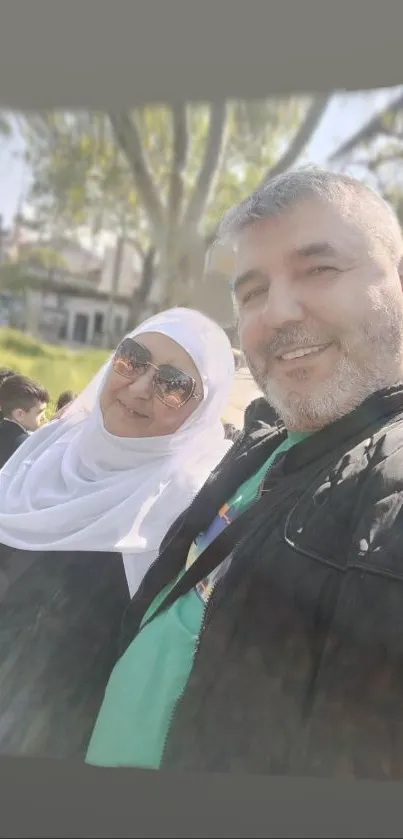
(344, 116)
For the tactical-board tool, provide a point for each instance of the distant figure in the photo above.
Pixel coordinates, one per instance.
(64, 399)
(231, 432)
(260, 411)
(23, 403)
(5, 373)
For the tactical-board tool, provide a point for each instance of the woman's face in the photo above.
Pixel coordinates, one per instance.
(130, 408)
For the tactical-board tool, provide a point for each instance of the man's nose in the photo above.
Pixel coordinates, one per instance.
(282, 305)
(142, 388)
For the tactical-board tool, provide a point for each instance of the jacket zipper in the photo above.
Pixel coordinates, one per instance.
(179, 700)
(206, 612)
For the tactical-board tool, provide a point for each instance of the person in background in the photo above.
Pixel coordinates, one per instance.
(23, 403)
(82, 513)
(5, 372)
(268, 636)
(231, 432)
(260, 411)
(65, 399)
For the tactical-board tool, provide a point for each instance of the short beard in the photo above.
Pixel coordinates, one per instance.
(350, 384)
(344, 391)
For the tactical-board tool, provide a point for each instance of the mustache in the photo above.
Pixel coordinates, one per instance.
(291, 337)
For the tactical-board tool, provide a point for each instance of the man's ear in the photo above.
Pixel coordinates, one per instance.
(17, 414)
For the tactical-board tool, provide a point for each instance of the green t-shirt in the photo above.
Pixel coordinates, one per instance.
(147, 681)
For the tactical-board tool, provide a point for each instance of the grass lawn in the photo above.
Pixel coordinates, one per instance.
(56, 368)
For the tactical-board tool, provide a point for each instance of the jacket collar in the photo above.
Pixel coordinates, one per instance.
(12, 422)
(368, 417)
(242, 461)
(249, 454)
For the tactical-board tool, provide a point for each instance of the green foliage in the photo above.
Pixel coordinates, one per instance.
(79, 178)
(14, 278)
(45, 257)
(5, 125)
(162, 176)
(82, 177)
(58, 369)
(17, 277)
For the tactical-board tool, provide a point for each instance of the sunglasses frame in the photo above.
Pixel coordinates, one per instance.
(156, 367)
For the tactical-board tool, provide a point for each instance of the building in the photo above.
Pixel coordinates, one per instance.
(72, 296)
(77, 298)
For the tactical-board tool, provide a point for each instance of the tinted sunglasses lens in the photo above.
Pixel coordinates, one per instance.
(130, 359)
(173, 386)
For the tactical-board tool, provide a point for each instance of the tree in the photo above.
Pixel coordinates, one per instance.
(5, 125)
(19, 278)
(386, 126)
(46, 258)
(377, 151)
(163, 176)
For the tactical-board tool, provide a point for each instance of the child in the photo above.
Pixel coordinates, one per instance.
(22, 403)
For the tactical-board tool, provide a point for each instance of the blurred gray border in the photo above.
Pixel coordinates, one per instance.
(92, 53)
(89, 53)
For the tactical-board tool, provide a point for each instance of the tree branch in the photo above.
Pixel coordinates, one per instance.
(128, 139)
(380, 160)
(136, 245)
(212, 156)
(303, 135)
(179, 160)
(373, 128)
(40, 125)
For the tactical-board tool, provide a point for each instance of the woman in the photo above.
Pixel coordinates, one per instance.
(102, 483)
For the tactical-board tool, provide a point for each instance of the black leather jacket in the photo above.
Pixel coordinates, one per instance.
(299, 667)
(60, 616)
(12, 436)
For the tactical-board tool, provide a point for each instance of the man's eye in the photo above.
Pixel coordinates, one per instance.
(252, 294)
(321, 269)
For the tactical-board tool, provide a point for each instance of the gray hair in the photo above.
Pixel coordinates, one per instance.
(356, 200)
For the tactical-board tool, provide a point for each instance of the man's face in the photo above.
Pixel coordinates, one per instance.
(32, 419)
(320, 312)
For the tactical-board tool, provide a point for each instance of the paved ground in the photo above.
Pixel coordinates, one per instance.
(243, 391)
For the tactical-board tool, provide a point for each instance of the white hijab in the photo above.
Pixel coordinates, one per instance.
(74, 486)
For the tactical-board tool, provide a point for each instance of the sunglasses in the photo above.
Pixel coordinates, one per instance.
(171, 386)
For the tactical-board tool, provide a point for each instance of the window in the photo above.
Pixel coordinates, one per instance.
(80, 331)
(98, 323)
(118, 326)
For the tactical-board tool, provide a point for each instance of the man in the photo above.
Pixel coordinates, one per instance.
(280, 649)
(22, 404)
(65, 399)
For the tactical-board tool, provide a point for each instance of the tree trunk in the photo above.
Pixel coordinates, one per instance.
(141, 294)
(109, 337)
(175, 228)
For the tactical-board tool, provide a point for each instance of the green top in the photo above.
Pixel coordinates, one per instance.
(148, 680)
